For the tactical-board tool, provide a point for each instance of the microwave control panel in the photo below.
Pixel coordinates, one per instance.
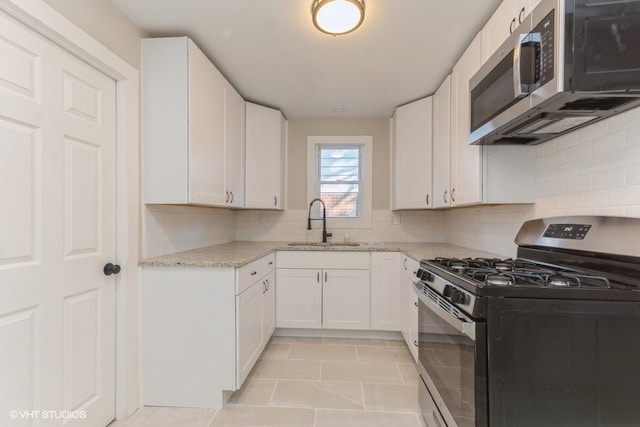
(545, 66)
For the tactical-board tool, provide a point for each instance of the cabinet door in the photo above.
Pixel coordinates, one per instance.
(442, 144)
(263, 157)
(249, 329)
(499, 27)
(234, 147)
(412, 155)
(345, 299)
(206, 131)
(299, 298)
(385, 291)
(466, 172)
(268, 306)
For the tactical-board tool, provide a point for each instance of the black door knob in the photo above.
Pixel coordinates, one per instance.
(110, 269)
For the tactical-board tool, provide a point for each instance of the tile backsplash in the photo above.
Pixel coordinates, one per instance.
(173, 228)
(593, 171)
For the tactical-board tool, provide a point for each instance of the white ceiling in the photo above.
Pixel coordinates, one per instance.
(273, 55)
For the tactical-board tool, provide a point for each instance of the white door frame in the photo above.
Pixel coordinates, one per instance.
(46, 21)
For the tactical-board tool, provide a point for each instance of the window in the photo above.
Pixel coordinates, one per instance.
(340, 175)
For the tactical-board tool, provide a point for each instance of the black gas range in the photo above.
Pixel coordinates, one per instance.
(550, 338)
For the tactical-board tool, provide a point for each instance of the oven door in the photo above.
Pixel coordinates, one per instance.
(452, 362)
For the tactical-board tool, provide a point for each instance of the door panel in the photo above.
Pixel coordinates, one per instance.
(57, 231)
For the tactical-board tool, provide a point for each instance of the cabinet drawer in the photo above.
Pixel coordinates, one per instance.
(339, 260)
(254, 271)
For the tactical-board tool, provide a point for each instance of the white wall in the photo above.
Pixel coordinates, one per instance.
(106, 23)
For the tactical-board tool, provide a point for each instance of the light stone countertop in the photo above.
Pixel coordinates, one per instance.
(237, 254)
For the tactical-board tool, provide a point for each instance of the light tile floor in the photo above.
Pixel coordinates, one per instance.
(312, 382)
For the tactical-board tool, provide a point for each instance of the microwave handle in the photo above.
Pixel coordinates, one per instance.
(521, 90)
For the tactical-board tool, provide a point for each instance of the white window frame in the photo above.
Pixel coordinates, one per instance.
(366, 171)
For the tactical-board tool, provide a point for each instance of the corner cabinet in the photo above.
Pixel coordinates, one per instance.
(484, 174)
(191, 119)
(318, 289)
(266, 133)
(411, 155)
(203, 330)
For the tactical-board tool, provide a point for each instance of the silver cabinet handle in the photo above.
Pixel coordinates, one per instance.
(325, 277)
(404, 263)
(521, 15)
(416, 304)
(270, 262)
(318, 277)
(231, 201)
(444, 196)
(253, 273)
(275, 200)
(512, 26)
(415, 343)
(453, 195)
(427, 200)
(226, 199)
(264, 287)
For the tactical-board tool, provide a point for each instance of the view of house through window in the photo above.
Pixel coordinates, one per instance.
(339, 180)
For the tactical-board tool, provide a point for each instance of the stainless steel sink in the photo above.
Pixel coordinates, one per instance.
(324, 245)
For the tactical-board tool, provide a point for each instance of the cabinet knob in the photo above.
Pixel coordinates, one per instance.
(253, 273)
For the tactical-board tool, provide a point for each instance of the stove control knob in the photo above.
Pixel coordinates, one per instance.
(447, 291)
(425, 275)
(458, 297)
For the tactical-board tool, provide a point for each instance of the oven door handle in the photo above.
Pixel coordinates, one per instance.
(461, 323)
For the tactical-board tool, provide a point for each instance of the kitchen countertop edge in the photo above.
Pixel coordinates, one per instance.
(239, 253)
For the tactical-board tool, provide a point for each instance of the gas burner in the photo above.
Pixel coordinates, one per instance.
(500, 279)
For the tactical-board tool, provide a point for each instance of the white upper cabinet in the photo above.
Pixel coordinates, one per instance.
(411, 153)
(503, 22)
(234, 147)
(442, 145)
(484, 174)
(184, 126)
(466, 187)
(265, 145)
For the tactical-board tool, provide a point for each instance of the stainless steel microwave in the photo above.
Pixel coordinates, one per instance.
(569, 64)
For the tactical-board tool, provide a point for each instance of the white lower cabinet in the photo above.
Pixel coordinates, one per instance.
(322, 290)
(269, 306)
(345, 299)
(409, 304)
(203, 330)
(385, 291)
(249, 309)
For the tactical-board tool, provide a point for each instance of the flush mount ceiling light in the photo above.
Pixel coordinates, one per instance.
(337, 17)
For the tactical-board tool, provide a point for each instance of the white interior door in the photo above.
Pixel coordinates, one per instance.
(57, 231)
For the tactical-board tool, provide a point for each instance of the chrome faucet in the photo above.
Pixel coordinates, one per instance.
(324, 220)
